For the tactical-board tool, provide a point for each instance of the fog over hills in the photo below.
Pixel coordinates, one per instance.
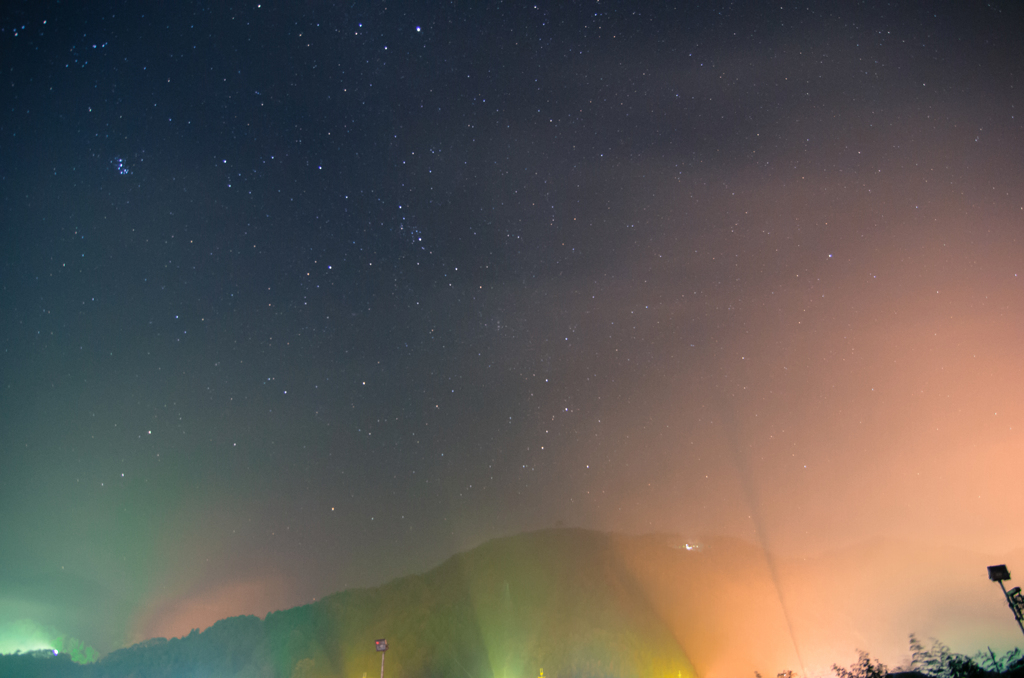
(574, 602)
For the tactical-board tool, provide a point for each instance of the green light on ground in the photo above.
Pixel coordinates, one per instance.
(25, 635)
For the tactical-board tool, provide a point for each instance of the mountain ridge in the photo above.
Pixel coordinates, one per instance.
(589, 604)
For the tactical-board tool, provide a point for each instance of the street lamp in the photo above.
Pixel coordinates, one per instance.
(1000, 574)
(382, 647)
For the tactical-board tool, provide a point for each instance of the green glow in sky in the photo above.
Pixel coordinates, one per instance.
(25, 635)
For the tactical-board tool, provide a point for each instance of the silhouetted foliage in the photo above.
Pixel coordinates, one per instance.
(939, 661)
(39, 664)
(1010, 661)
(864, 667)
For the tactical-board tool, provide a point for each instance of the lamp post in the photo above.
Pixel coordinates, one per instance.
(1000, 574)
(382, 647)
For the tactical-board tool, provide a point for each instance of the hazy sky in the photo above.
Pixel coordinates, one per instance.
(300, 296)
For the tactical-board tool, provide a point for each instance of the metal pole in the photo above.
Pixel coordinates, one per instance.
(1018, 613)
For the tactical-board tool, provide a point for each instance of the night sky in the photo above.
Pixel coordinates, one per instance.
(296, 297)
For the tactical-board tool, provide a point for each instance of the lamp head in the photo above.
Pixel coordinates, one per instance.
(998, 573)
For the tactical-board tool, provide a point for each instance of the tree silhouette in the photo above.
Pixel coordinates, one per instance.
(864, 667)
